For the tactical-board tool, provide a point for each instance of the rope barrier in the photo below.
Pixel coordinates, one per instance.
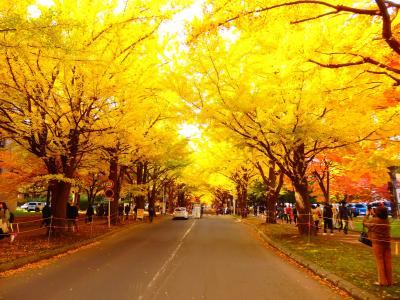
(95, 218)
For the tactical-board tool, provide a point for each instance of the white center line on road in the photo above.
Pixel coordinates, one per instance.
(170, 258)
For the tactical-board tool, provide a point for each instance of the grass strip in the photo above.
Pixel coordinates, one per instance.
(339, 254)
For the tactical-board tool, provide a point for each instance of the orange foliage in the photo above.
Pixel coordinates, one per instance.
(18, 169)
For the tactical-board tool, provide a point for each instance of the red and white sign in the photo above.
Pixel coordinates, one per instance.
(109, 193)
(109, 184)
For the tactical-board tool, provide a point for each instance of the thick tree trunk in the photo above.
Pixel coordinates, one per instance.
(271, 202)
(152, 198)
(60, 194)
(393, 190)
(303, 208)
(113, 175)
(139, 201)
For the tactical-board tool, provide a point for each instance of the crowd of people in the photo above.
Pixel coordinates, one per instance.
(340, 217)
(329, 217)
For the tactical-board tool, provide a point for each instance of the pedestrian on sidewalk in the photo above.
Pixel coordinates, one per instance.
(379, 233)
(89, 214)
(317, 216)
(344, 217)
(72, 215)
(46, 217)
(335, 217)
(5, 222)
(327, 214)
(151, 213)
(127, 210)
(370, 211)
(135, 212)
(289, 214)
(295, 216)
(100, 210)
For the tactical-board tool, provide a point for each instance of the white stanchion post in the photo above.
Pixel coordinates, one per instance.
(109, 210)
(309, 227)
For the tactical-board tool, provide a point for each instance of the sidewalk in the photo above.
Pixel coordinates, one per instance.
(340, 259)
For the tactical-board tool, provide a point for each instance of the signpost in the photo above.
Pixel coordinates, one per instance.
(164, 204)
(109, 193)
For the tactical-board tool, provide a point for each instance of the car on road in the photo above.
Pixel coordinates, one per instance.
(35, 206)
(180, 213)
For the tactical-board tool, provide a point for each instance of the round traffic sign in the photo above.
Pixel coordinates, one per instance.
(109, 184)
(109, 193)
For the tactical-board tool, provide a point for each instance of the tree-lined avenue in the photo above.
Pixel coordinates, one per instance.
(209, 258)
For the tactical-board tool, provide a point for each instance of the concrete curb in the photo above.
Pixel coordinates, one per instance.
(20, 262)
(353, 290)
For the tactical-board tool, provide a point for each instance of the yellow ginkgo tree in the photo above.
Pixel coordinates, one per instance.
(62, 69)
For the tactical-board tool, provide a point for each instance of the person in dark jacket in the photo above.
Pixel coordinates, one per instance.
(379, 234)
(89, 214)
(127, 210)
(72, 215)
(46, 217)
(135, 212)
(120, 212)
(151, 213)
(344, 217)
(327, 214)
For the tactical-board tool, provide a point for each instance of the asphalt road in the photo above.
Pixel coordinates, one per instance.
(210, 258)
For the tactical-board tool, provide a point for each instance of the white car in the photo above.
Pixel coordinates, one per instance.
(35, 206)
(180, 213)
(24, 206)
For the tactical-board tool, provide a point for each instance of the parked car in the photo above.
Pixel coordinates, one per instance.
(35, 206)
(361, 209)
(386, 203)
(353, 209)
(180, 213)
(24, 206)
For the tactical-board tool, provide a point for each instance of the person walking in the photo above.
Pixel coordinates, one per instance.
(344, 217)
(289, 214)
(127, 210)
(327, 214)
(75, 216)
(100, 210)
(317, 215)
(135, 212)
(5, 222)
(72, 215)
(151, 213)
(120, 216)
(46, 217)
(295, 216)
(379, 233)
(89, 214)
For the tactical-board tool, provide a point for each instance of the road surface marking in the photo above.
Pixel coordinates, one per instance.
(171, 257)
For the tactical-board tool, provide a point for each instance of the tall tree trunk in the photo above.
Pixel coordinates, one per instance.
(141, 177)
(393, 190)
(271, 202)
(303, 208)
(300, 183)
(114, 176)
(273, 185)
(60, 193)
